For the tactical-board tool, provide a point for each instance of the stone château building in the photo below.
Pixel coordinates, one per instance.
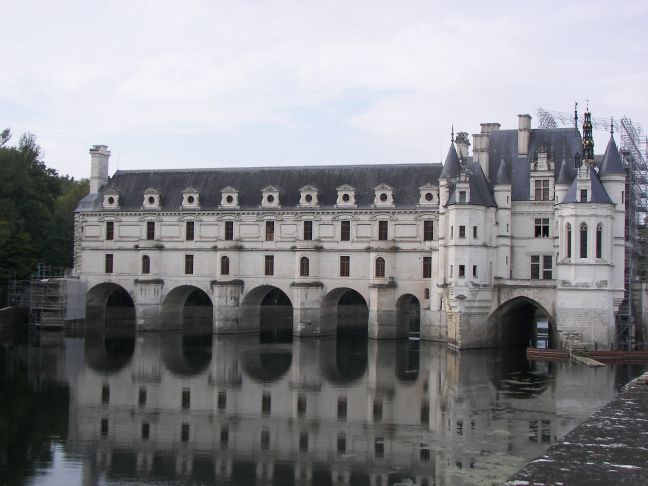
(528, 228)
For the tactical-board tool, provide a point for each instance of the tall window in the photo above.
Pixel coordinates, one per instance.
(110, 230)
(427, 267)
(269, 264)
(304, 267)
(462, 231)
(583, 240)
(568, 235)
(345, 264)
(189, 231)
(542, 190)
(474, 231)
(428, 230)
(224, 265)
(462, 197)
(542, 227)
(308, 230)
(108, 263)
(146, 264)
(345, 230)
(380, 267)
(189, 264)
(269, 230)
(383, 230)
(150, 230)
(583, 195)
(229, 230)
(462, 271)
(599, 241)
(541, 267)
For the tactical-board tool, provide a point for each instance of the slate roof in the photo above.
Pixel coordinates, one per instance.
(452, 165)
(598, 195)
(503, 174)
(481, 192)
(503, 145)
(611, 163)
(567, 174)
(131, 184)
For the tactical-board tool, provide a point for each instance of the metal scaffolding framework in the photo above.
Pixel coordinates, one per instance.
(634, 150)
(42, 297)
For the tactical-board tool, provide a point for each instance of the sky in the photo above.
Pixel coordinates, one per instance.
(211, 83)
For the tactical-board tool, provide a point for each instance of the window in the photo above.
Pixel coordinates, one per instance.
(301, 405)
(222, 400)
(428, 230)
(265, 439)
(462, 231)
(269, 264)
(379, 447)
(141, 399)
(110, 230)
(599, 241)
(462, 270)
(462, 197)
(377, 411)
(451, 270)
(451, 231)
(109, 263)
(342, 408)
(568, 235)
(146, 429)
(583, 195)
(189, 231)
(189, 264)
(383, 230)
(303, 441)
(345, 264)
(104, 428)
(304, 267)
(541, 227)
(225, 262)
(583, 240)
(474, 270)
(308, 230)
(229, 230)
(224, 435)
(150, 230)
(427, 267)
(186, 398)
(426, 294)
(380, 267)
(542, 190)
(266, 403)
(541, 267)
(474, 231)
(269, 231)
(105, 394)
(345, 230)
(146, 264)
(341, 443)
(184, 433)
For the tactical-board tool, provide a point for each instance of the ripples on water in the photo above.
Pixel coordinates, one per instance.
(113, 407)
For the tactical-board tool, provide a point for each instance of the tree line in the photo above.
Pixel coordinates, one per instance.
(36, 211)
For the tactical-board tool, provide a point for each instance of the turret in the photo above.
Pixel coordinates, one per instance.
(99, 157)
(502, 189)
(565, 178)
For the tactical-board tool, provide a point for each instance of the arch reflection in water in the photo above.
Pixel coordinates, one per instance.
(522, 322)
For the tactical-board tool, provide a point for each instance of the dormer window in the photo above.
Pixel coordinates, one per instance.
(270, 197)
(229, 197)
(151, 199)
(308, 196)
(111, 199)
(428, 195)
(542, 177)
(190, 198)
(346, 196)
(583, 195)
(384, 195)
(462, 197)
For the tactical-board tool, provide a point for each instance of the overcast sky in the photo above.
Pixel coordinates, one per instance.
(286, 82)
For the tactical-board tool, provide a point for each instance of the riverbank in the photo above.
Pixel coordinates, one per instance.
(609, 448)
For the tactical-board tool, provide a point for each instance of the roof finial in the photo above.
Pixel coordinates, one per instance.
(586, 105)
(576, 115)
(612, 125)
(452, 139)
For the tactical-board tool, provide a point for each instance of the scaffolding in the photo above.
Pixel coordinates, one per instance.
(42, 297)
(634, 150)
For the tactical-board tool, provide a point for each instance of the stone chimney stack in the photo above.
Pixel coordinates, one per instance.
(99, 155)
(462, 143)
(524, 131)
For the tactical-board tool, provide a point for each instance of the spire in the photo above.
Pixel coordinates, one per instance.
(612, 162)
(588, 140)
(565, 176)
(503, 177)
(452, 165)
(576, 115)
(452, 134)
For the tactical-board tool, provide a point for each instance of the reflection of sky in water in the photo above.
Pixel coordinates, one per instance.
(234, 410)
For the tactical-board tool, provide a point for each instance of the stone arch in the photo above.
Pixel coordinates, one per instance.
(186, 306)
(269, 310)
(344, 308)
(522, 321)
(408, 315)
(110, 304)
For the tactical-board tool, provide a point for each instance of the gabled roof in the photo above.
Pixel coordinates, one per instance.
(452, 165)
(428, 185)
(480, 189)
(190, 190)
(309, 187)
(229, 189)
(598, 195)
(270, 188)
(151, 190)
(383, 187)
(612, 163)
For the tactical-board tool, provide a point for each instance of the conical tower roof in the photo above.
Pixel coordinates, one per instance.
(503, 177)
(566, 175)
(612, 163)
(452, 165)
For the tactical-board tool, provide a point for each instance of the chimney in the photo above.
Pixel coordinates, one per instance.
(480, 149)
(99, 155)
(487, 128)
(524, 131)
(462, 143)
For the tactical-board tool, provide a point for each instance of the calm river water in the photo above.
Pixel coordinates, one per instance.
(92, 407)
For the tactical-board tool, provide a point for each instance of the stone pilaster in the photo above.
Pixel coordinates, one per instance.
(148, 303)
(226, 297)
(306, 309)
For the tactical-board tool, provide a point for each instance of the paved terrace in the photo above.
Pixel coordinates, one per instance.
(609, 448)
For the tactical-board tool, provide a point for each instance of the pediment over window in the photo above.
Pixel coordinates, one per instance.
(190, 198)
(270, 197)
(309, 196)
(111, 199)
(346, 196)
(229, 197)
(151, 199)
(384, 195)
(429, 195)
